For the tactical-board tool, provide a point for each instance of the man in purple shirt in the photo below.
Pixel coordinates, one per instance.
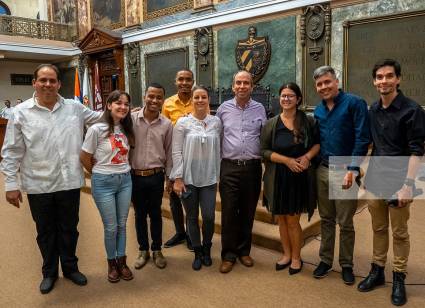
(240, 177)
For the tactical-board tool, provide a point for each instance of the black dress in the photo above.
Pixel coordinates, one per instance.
(292, 193)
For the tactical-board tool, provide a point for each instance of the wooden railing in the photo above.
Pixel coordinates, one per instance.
(19, 26)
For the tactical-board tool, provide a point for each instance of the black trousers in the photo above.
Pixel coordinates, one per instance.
(177, 212)
(56, 219)
(239, 190)
(147, 199)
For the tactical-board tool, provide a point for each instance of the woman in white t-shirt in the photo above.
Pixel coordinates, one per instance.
(196, 169)
(105, 154)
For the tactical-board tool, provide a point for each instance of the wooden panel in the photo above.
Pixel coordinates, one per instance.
(3, 124)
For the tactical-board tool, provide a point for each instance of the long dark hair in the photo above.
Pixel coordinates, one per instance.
(300, 120)
(126, 123)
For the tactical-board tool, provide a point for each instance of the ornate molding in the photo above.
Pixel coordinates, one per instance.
(186, 5)
(315, 23)
(203, 46)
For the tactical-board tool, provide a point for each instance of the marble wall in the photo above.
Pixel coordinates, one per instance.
(282, 37)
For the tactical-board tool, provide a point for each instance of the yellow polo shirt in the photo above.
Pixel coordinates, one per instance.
(174, 108)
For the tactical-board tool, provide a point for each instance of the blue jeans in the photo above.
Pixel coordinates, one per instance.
(112, 194)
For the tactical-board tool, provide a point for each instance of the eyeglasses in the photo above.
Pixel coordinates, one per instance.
(291, 96)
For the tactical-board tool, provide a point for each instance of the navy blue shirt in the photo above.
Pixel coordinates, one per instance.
(344, 130)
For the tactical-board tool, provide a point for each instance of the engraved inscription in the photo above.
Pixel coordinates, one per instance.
(401, 37)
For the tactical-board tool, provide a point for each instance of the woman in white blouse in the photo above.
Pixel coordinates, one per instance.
(196, 170)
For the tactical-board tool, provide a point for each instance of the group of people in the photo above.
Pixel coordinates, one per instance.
(7, 109)
(177, 146)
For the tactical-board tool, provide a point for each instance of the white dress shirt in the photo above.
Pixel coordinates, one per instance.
(6, 112)
(44, 146)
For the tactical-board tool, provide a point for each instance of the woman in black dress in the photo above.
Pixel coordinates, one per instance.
(289, 141)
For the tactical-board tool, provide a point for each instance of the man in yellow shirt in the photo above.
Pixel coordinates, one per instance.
(175, 107)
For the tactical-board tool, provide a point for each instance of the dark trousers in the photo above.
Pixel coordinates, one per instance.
(56, 219)
(204, 198)
(239, 190)
(177, 212)
(147, 199)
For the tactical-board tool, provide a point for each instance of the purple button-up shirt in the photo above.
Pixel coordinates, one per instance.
(241, 129)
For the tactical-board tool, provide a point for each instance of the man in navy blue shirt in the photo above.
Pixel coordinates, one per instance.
(344, 131)
(398, 134)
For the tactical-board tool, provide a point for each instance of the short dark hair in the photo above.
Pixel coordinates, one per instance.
(201, 87)
(51, 66)
(6, 101)
(185, 70)
(156, 86)
(387, 62)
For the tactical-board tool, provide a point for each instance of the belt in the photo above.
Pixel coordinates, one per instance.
(333, 166)
(241, 162)
(147, 172)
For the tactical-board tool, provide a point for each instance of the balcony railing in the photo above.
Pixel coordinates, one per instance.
(40, 29)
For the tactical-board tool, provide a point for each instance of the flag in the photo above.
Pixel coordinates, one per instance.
(86, 88)
(77, 92)
(97, 96)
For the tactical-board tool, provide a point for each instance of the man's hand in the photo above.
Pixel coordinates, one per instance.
(404, 196)
(347, 182)
(13, 197)
(179, 187)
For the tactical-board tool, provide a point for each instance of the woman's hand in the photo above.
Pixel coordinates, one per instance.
(179, 187)
(294, 165)
(304, 161)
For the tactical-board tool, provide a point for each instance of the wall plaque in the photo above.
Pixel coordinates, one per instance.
(315, 37)
(400, 37)
(133, 69)
(204, 56)
(21, 79)
(162, 67)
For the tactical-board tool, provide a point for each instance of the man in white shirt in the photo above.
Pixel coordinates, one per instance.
(7, 110)
(43, 142)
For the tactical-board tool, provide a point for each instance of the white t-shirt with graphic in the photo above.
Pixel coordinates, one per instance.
(109, 150)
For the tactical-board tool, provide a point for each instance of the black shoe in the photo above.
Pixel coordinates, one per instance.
(189, 243)
(197, 262)
(177, 239)
(375, 278)
(347, 275)
(322, 270)
(280, 267)
(47, 284)
(77, 278)
(398, 296)
(293, 271)
(206, 255)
